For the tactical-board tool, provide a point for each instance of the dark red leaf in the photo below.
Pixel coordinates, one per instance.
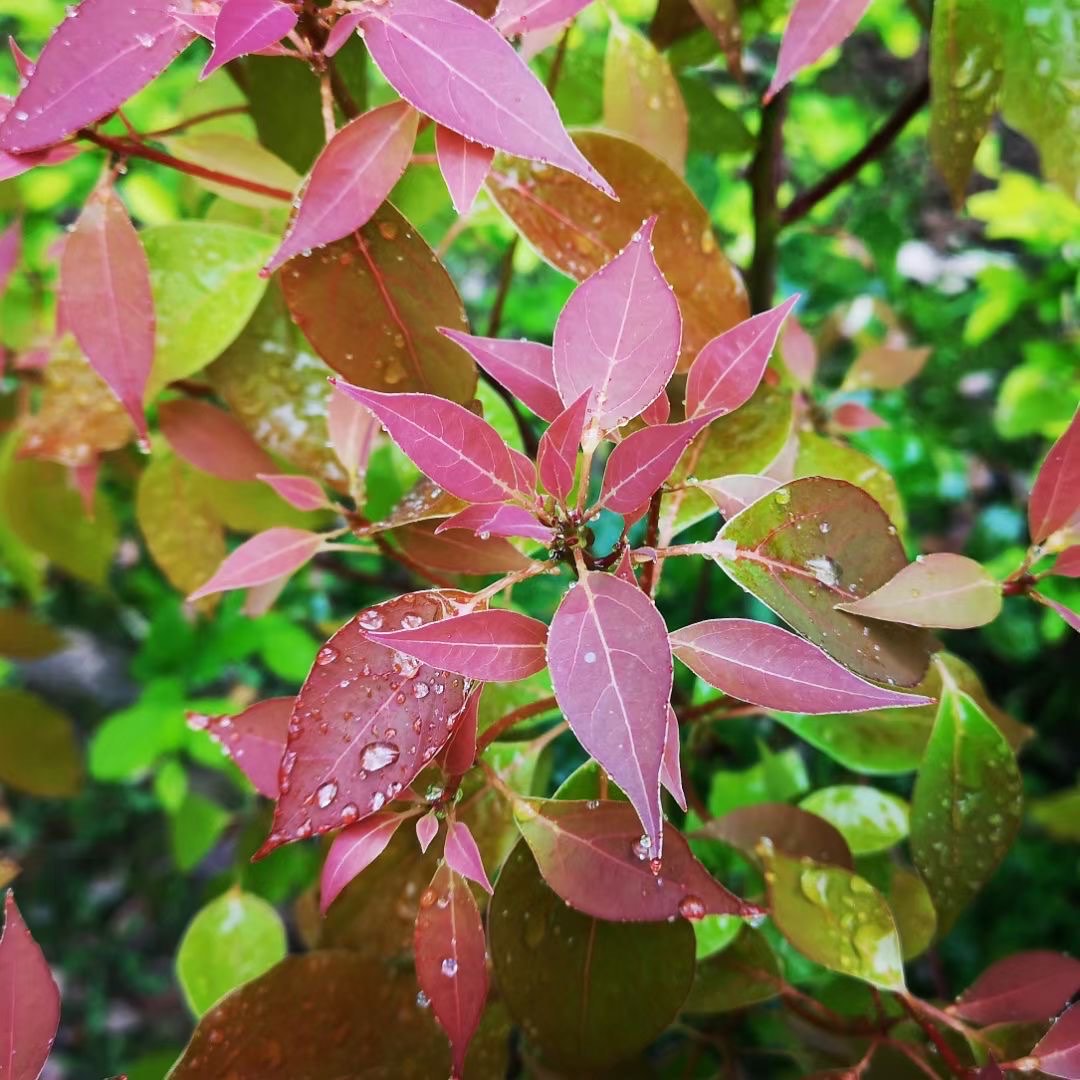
(1058, 1053)
(791, 830)
(1055, 497)
(1027, 986)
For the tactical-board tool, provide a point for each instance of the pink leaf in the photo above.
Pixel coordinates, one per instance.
(447, 443)
(10, 251)
(593, 856)
(463, 856)
(343, 29)
(299, 491)
(12, 165)
(1026, 987)
(496, 519)
(23, 64)
(105, 293)
(261, 598)
(1070, 616)
(99, 56)
(851, 416)
(456, 68)
(427, 829)
(659, 411)
(523, 367)
(733, 494)
(644, 460)
(729, 368)
(84, 480)
(625, 568)
(199, 22)
(350, 179)
(611, 671)
(619, 336)
(526, 16)
(367, 720)
(670, 765)
(772, 667)
(246, 26)
(487, 646)
(354, 849)
(1058, 1053)
(815, 27)
(464, 165)
(1055, 497)
(29, 1000)
(212, 440)
(353, 431)
(557, 456)
(266, 556)
(451, 960)
(254, 739)
(799, 352)
(1068, 563)
(942, 589)
(461, 749)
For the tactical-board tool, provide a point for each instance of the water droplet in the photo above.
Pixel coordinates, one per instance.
(420, 690)
(640, 848)
(370, 620)
(782, 496)
(589, 657)
(326, 794)
(692, 907)
(378, 801)
(411, 621)
(326, 655)
(378, 755)
(449, 967)
(824, 527)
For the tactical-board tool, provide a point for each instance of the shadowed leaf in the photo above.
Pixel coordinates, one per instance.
(39, 753)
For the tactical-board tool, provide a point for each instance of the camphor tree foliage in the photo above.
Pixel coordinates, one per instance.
(490, 772)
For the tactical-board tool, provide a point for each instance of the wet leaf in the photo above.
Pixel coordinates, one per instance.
(367, 720)
(371, 305)
(769, 666)
(254, 739)
(575, 983)
(212, 440)
(29, 999)
(1058, 1052)
(557, 457)
(263, 558)
(745, 973)
(913, 910)
(457, 552)
(870, 820)
(39, 753)
(835, 918)
(815, 543)
(966, 808)
(1027, 986)
(578, 230)
(229, 942)
(793, 831)
(528, 16)
(612, 672)
(462, 854)
(491, 519)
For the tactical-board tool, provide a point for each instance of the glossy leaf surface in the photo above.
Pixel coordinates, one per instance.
(612, 672)
(458, 552)
(492, 519)
(463, 855)
(254, 739)
(869, 820)
(795, 832)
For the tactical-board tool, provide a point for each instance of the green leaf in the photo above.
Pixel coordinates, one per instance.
(817, 542)
(835, 918)
(913, 910)
(38, 750)
(715, 932)
(128, 743)
(1059, 814)
(233, 154)
(194, 829)
(231, 941)
(965, 83)
(252, 506)
(776, 778)
(870, 820)
(286, 107)
(588, 993)
(206, 285)
(966, 808)
(287, 650)
(745, 973)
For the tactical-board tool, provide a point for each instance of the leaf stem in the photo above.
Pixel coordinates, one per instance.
(914, 1009)
(505, 723)
(199, 118)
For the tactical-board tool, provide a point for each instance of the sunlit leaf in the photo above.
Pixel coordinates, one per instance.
(870, 820)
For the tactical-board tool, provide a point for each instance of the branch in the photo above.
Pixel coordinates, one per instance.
(764, 184)
(876, 145)
(534, 708)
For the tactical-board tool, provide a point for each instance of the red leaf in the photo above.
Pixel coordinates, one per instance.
(729, 368)
(644, 460)
(246, 26)
(559, 445)
(451, 445)
(659, 411)
(799, 352)
(354, 849)
(523, 367)
(424, 49)
(789, 829)
(611, 671)
(592, 855)
(815, 27)
(625, 568)
(494, 519)
(254, 739)
(463, 856)
(427, 829)
(343, 29)
(619, 335)
(486, 646)
(461, 749)
(353, 431)
(367, 720)
(23, 64)
(1058, 1053)
(212, 440)
(99, 56)
(1055, 497)
(1068, 563)
(528, 16)
(460, 552)
(106, 298)
(670, 764)
(451, 961)
(266, 556)
(772, 667)
(299, 491)
(1070, 616)
(29, 1000)
(1022, 988)
(851, 416)
(350, 179)
(464, 165)
(735, 493)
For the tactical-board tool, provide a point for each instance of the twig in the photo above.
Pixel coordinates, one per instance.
(943, 1048)
(200, 118)
(650, 574)
(501, 726)
(764, 184)
(875, 146)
